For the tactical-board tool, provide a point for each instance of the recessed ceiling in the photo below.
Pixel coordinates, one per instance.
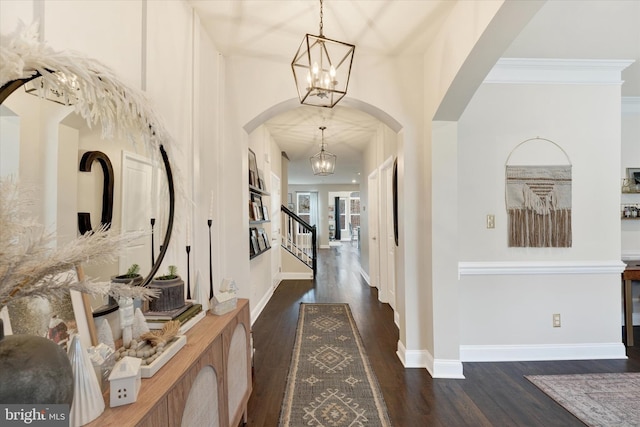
(589, 29)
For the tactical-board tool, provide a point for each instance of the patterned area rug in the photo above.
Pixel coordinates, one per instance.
(596, 399)
(331, 383)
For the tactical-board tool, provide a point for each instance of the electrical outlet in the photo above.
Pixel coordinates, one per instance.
(491, 221)
(556, 320)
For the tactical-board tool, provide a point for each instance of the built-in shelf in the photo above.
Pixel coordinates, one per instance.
(258, 210)
(257, 190)
(252, 256)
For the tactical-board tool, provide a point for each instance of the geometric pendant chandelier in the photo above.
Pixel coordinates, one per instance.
(324, 162)
(321, 69)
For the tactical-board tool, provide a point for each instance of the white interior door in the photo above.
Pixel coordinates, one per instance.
(276, 201)
(136, 212)
(374, 247)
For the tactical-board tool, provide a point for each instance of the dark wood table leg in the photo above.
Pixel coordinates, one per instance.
(628, 312)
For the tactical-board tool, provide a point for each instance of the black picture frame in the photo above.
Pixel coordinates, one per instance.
(253, 237)
(264, 237)
(262, 244)
(253, 168)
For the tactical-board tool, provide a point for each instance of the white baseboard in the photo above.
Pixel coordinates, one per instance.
(437, 368)
(334, 243)
(325, 246)
(365, 276)
(276, 280)
(297, 276)
(444, 368)
(396, 318)
(410, 359)
(261, 305)
(512, 353)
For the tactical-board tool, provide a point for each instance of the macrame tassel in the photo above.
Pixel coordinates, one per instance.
(527, 228)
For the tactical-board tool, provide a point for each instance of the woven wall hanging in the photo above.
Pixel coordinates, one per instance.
(538, 201)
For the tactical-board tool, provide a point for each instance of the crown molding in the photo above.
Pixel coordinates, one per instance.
(558, 71)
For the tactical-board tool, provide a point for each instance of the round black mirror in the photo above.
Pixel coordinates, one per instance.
(84, 219)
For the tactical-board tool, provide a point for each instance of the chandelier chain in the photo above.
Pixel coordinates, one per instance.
(321, 19)
(322, 128)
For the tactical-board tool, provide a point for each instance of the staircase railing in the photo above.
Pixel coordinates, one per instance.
(299, 238)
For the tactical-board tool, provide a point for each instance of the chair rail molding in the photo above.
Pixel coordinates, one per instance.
(478, 268)
(631, 105)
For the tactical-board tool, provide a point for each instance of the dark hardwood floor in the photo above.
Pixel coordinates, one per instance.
(493, 394)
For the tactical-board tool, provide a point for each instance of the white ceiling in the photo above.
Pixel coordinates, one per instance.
(588, 29)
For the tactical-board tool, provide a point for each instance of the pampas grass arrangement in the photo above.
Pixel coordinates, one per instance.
(100, 96)
(31, 265)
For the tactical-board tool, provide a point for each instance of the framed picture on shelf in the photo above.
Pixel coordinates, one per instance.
(261, 242)
(256, 212)
(261, 184)
(265, 213)
(253, 235)
(256, 201)
(264, 237)
(253, 164)
(634, 178)
(252, 250)
(252, 212)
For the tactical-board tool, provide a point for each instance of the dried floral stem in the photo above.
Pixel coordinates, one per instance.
(31, 266)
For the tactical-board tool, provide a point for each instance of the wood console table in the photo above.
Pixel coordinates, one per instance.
(208, 382)
(631, 272)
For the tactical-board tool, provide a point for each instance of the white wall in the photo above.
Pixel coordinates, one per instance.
(428, 308)
(513, 308)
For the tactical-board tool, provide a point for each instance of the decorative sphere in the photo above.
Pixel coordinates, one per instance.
(34, 370)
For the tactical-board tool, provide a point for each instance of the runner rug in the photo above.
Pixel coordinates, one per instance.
(330, 381)
(596, 399)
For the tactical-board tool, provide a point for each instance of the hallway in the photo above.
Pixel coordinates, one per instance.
(493, 394)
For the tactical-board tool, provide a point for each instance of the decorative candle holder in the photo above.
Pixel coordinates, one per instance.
(209, 222)
(153, 254)
(188, 273)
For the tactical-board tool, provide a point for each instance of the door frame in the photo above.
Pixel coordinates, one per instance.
(374, 247)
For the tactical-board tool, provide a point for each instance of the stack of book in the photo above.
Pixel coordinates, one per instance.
(157, 319)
